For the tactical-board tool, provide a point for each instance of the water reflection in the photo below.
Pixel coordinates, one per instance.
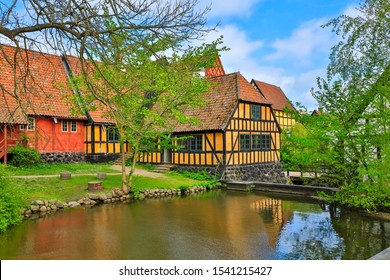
(219, 225)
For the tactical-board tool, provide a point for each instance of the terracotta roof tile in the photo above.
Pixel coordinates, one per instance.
(42, 90)
(224, 94)
(217, 70)
(274, 95)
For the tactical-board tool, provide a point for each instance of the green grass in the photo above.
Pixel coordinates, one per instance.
(77, 187)
(52, 169)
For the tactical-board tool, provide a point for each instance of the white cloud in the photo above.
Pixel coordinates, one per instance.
(308, 39)
(352, 11)
(223, 8)
(242, 48)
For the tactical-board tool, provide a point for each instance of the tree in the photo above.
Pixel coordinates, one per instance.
(144, 90)
(356, 96)
(115, 40)
(79, 27)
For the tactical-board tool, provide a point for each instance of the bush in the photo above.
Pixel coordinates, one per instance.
(24, 156)
(10, 204)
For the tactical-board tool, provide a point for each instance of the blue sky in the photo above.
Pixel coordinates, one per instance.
(278, 41)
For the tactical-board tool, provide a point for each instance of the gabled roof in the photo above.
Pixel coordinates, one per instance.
(217, 70)
(224, 94)
(99, 114)
(273, 94)
(40, 85)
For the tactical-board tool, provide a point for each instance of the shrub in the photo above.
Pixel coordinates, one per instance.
(24, 156)
(10, 204)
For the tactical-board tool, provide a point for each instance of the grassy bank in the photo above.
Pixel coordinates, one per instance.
(76, 187)
(54, 169)
(42, 182)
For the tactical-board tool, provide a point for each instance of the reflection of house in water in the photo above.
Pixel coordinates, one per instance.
(271, 211)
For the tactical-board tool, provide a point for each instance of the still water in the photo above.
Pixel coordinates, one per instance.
(215, 225)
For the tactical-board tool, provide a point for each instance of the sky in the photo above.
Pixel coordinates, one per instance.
(280, 42)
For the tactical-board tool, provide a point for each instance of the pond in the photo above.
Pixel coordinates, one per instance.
(215, 225)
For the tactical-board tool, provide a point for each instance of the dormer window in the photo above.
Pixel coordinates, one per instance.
(255, 112)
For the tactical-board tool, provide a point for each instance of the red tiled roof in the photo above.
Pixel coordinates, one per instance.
(99, 113)
(274, 95)
(217, 70)
(225, 91)
(40, 83)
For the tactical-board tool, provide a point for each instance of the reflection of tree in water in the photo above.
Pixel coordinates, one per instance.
(363, 236)
(310, 237)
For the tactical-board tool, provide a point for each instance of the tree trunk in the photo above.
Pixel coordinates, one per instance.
(123, 163)
(132, 169)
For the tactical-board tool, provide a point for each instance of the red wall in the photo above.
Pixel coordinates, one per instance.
(49, 137)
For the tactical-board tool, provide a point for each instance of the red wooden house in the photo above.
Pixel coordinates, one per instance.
(34, 108)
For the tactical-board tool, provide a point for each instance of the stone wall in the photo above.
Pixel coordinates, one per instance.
(261, 172)
(63, 157)
(96, 158)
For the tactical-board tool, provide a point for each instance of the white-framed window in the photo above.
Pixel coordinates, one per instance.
(22, 127)
(73, 126)
(64, 125)
(31, 124)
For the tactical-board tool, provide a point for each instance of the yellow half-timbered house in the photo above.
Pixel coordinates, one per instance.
(281, 105)
(237, 135)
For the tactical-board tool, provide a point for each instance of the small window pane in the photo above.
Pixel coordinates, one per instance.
(73, 127)
(245, 142)
(196, 143)
(256, 142)
(255, 112)
(112, 135)
(64, 126)
(31, 124)
(266, 142)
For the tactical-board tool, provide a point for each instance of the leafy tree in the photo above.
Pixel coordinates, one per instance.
(144, 90)
(356, 97)
(79, 27)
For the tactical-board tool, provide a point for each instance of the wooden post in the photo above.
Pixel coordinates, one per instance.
(5, 144)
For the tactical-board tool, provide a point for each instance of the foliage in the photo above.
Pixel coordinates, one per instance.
(146, 106)
(122, 48)
(25, 156)
(10, 203)
(201, 175)
(356, 97)
(351, 137)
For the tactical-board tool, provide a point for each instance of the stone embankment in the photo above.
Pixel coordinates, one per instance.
(43, 207)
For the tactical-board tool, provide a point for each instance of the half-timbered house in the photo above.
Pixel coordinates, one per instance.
(281, 105)
(34, 110)
(238, 134)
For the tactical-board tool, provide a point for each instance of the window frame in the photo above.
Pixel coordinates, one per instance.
(265, 142)
(256, 143)
(113, 133)
(64, 124)
(245, 142)
(255, 112)
(31, 124)
(75, 126)
(196, 143)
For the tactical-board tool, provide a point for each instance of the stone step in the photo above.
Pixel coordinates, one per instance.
(162, 168)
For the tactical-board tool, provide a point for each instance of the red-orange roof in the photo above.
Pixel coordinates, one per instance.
(274, 95)
(217, 70)
(40, 83)
(224, 94)
(97, 112)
